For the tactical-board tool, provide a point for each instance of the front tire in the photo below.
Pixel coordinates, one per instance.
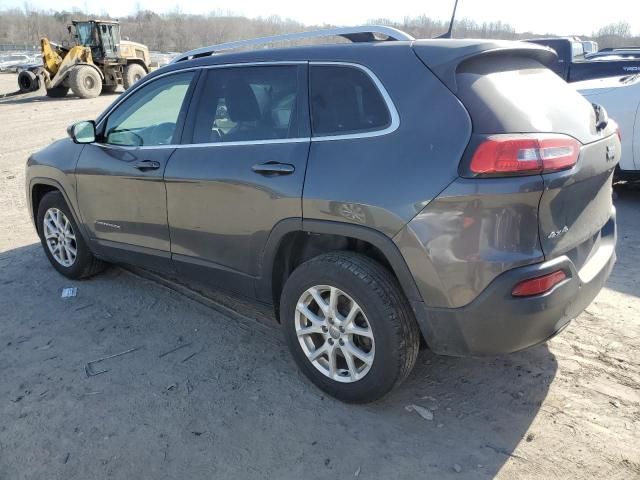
(85, 82)
(57, 92)
(62, 241)
(349, 326)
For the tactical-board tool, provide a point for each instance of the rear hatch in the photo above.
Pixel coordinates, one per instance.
(508, 91)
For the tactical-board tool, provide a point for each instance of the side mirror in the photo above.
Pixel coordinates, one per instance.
(83, 132)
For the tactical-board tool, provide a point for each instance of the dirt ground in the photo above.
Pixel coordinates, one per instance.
(230, 402)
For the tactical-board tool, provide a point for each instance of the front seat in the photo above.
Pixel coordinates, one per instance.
(244, 111)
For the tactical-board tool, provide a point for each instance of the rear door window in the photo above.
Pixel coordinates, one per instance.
(345, 100)
(248, 104)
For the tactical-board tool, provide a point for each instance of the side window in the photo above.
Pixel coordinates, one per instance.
(150, 115)
(248, 104)
(345, 100)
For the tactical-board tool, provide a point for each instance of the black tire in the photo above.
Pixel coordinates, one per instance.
(109, 88)
(28, 81)
(57, 92)
(85, 265)
(377, 292)
(133, 73)
(85, 81)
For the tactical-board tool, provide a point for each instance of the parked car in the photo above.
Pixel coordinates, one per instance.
(621, 98)
(378, 194)
(11, 62)
(574, 65)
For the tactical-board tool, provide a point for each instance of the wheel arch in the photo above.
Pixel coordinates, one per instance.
(38, 188)
(294, 240)
(137, 61)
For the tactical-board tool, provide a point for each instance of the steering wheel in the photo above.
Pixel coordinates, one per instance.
(162, 134)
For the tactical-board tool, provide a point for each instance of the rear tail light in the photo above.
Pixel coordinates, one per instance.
(538, 285)
(503, 155)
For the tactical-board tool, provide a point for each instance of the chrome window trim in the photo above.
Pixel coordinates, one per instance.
(127, 94)
(212, 144)
(392, 127)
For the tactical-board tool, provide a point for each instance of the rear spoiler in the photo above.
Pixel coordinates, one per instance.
(444, 57)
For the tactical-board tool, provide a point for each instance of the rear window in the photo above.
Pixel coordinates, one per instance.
(345, 100)
(507, 94)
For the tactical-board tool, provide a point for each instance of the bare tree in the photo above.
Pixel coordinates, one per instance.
(178, 31)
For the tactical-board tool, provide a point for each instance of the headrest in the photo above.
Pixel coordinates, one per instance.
(241, 102)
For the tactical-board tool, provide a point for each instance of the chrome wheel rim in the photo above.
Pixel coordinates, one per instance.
(334, 333)
(60, 237)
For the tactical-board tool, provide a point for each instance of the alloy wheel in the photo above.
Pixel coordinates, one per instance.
(60, 237)
(334, 333)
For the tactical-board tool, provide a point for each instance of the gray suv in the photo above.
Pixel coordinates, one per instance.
(381, 194)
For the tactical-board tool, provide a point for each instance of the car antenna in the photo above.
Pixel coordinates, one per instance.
(447, 34)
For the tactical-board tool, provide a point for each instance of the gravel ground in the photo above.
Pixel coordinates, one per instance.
(230, 403)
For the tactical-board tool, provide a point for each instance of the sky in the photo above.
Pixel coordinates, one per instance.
(560, 17)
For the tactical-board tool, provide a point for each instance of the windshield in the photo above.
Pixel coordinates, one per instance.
(84, 31)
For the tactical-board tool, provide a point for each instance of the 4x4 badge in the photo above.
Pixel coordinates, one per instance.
(557, 233)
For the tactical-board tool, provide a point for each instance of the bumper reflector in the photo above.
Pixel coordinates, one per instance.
(538, 285)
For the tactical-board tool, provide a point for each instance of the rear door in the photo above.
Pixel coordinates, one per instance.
(240, 171)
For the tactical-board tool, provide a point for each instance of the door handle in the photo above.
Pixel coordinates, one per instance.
(273, 168)
(147, 165)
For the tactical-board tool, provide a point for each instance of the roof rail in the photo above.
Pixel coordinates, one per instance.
(355, 34)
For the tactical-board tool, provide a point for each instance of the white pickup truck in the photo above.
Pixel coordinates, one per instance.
(620, 96)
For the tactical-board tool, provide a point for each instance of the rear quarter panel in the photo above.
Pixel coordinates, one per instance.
(382, 182)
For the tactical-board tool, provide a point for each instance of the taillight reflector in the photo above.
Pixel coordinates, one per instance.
(524, 154)
(538, 285)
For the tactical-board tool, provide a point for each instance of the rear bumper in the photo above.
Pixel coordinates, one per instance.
(496, 322)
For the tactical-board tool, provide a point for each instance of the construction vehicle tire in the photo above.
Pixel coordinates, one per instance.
(28, 81)
(85, 82)
(57, 92)
(132, 73)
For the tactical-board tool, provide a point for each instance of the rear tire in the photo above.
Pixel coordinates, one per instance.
(57, 92)
(85, 82)
(57, 227)
(384, 332)
(132, 74)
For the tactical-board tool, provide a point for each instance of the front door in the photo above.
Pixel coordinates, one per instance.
(240, 171)
(121, 192)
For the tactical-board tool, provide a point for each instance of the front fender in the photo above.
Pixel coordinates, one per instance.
(55, 166)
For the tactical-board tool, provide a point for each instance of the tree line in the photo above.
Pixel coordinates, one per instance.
(176, 31)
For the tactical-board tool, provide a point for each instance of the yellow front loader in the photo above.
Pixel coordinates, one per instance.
(99, 62)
